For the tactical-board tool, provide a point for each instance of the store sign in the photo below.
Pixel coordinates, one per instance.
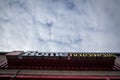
(65, 54)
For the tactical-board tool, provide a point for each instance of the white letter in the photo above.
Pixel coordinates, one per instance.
(63, 54)
(39, 54)
(26, 53)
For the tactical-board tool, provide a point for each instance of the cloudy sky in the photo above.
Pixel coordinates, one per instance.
(60, 25)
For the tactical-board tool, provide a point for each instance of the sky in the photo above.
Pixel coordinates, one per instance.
(60, 25)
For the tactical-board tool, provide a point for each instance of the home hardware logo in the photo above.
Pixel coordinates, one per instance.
(65, 54)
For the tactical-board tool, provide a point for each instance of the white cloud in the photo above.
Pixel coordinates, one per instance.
(60, 25)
